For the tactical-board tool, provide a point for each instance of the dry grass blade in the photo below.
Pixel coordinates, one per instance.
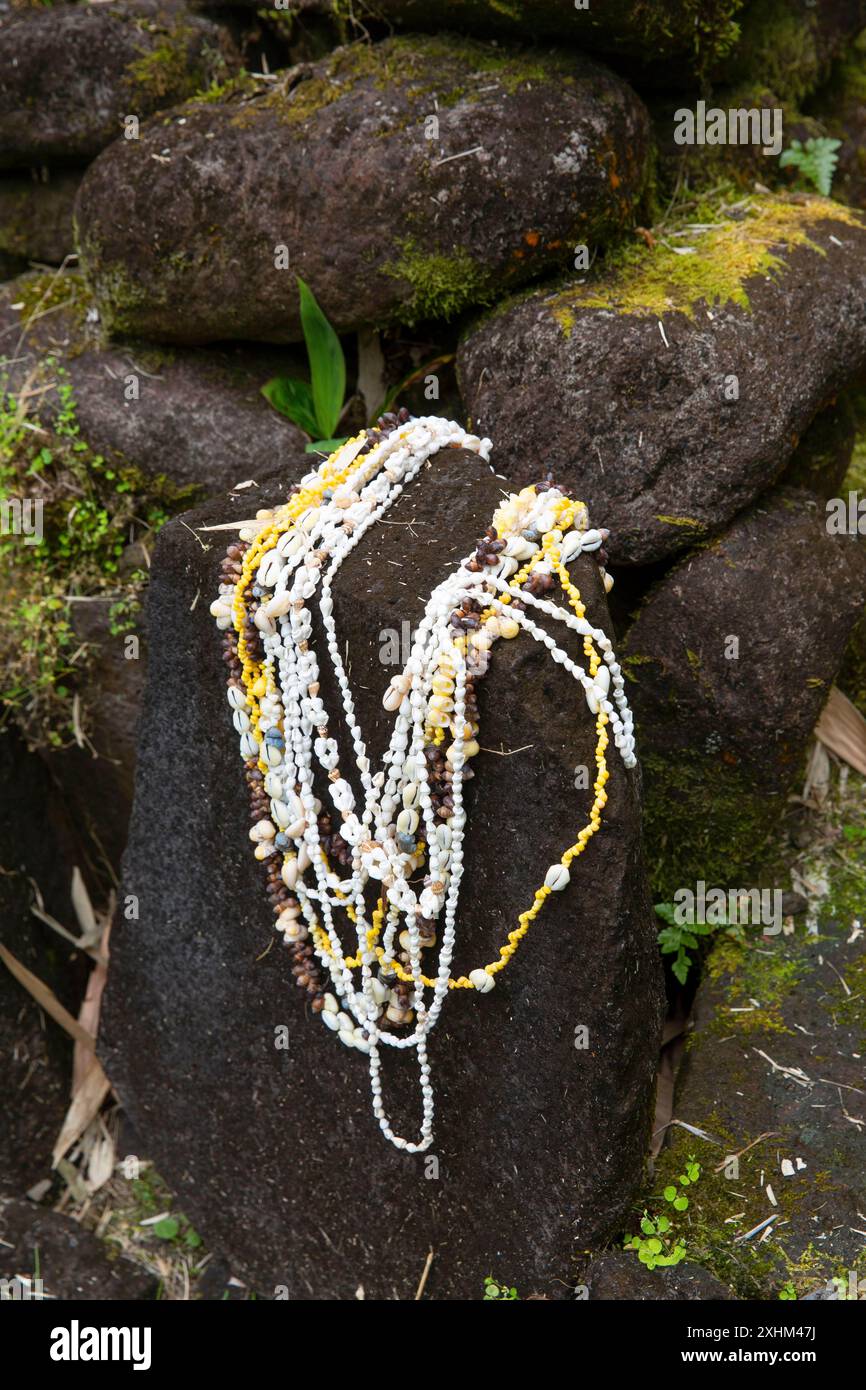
(842, 729)
(86, 1105)
(46, 999)
(91, 930)
(88, 1014)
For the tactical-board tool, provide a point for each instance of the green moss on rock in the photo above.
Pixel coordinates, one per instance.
(442, 285)
(636, 280)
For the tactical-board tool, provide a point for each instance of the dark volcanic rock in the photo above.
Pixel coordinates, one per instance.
(199, 418)
(539, 1144)
(36, 848)
(71, 1262)
(619, 1275)
(723, 736)
(404, 180)
(671, 389)
(662, 29)
(70, 74)
(776, 1056)
(842, 107)
(822, 457)
(789, 45)
(97, 780)
(36, 215)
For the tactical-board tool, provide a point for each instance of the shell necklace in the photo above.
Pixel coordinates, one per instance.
(400, 844)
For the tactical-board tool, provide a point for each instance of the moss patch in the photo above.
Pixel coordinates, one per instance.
(703, 820)
(442, 284)
(82, 511)
(636, 280)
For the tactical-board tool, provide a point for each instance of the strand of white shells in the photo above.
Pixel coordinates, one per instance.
(294, 741)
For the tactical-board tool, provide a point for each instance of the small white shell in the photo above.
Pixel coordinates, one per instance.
(249, 746)
(482, 981)
(557, 877)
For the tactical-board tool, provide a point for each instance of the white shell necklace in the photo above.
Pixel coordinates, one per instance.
(410, 816)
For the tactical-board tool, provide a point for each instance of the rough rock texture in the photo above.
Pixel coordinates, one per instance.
(70, 74)
(200, 419)
(626, 381)
(722, 738)
(822, 458)
(618, 1275)
(650, 31)
(340, 163)
(767, 1005)
(71, 1262)
(35, 1053)
(36, 215)
(789, 45)
(842, 107)
(539, 1144)
(97, 780)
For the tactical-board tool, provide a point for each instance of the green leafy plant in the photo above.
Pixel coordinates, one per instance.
(679, 1200)
(178, 1230)
(678, 939)
(315, 405)
(787, 1292)
(658, 1246)
(815, 161)
(91, 508)
(494, 1290)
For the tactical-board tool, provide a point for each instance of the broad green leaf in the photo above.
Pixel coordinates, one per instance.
(680, 1203)
(324, 446)
(327, 363)
(167, 1228)
(293, 399)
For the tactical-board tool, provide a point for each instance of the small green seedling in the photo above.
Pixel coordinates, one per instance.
(315, 405)
(787, 1292)
(679, 1200)
(815, 161)
(658, 1246)
(494, 1290)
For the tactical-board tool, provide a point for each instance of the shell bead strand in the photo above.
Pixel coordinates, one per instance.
(393, 837)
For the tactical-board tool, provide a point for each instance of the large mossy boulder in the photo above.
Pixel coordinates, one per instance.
(789, 45)
(70, 74)
(772, 1083)
(539, 1140)
(402, 180)
(731, 659)
(193, 417)
(672, 385)
(660, 30)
